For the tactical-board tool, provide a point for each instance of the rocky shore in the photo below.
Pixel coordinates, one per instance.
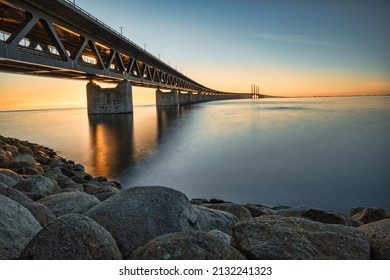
(51, 208)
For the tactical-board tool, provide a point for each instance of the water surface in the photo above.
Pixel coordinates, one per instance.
(330, 153)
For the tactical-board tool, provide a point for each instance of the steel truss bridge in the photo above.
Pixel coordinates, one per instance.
(56, 38)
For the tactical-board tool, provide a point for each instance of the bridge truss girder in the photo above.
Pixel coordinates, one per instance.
(36, 38)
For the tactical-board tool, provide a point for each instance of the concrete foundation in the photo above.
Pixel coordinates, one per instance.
(175, 97)
(167, 98)
(118, 100)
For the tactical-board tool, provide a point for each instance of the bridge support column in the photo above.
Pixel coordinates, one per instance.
(167, 98)
(116, 100)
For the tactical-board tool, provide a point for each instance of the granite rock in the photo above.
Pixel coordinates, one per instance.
(17, 227)
(236, 209)
(192, 245)
(275, 237)
(368, 215)
(72, 237)
(40, 212)
(137, 215)
(209, 219)
(379, 237)
(69, 203)
(38, 185)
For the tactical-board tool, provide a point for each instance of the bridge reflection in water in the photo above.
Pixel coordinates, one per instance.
(120, 142)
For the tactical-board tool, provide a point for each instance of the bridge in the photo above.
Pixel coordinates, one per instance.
(56, 38)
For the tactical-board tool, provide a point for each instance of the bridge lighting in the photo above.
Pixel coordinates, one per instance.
(121, 27)
(145, 47)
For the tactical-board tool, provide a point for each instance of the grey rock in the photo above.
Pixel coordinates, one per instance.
(314, 214)
(73, 187)
(67, 171)
(69, 203)
(103, 196)
(108, 189)
(225, 238)
(72, 237)
(37, 185)
(79, 180)
(63, 181)
(22, 160)
(193, 245)
(78, 167)
(199, 201)
(55, 162)
(137, 215)
(257, 210)
(368, 215)
(6, 180)
(379, 236)
(238, 210)
(11, 174)
(116, 184)
(217, 200)
(277, 237)
(98, 187)
(17, 227)
(40, 212)
(209, 219)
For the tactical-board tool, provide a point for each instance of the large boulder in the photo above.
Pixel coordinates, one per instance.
(224, 237)
(104, 195)
(8, 172)
(6, 180)
(192, 245)
(37, 185)
(137, 215)
(69, 203)
(22, 160)
(209, 219)
(367, 215)
(379, 236)
(239, 211)
(17, 227)
(277, 237)
(314, 214)
(40, 212)
(72, 237)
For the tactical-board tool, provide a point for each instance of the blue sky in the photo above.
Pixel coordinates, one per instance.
(288, 48)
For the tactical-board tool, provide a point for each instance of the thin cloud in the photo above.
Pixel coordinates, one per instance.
(294, 39)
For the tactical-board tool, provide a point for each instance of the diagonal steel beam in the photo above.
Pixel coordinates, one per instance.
(22, 30)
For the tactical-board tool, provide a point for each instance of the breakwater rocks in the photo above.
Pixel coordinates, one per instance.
(50, 208)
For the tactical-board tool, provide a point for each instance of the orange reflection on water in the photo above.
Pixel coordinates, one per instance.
(117, 141)
(102, 149)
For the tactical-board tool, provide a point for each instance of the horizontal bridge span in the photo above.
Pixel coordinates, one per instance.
(58, 39)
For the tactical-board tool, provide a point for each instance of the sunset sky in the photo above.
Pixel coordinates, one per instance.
(288, 48)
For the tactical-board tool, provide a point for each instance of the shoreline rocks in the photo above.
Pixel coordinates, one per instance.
(274, 237)
(51, 208)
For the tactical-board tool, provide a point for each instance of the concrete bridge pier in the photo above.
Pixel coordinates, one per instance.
(118, 100)
(170, 98)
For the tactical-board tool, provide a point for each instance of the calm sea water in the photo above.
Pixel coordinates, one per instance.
(331, 153)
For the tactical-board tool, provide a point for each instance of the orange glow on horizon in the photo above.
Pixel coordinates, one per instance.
(292, 83)
(21, 92)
